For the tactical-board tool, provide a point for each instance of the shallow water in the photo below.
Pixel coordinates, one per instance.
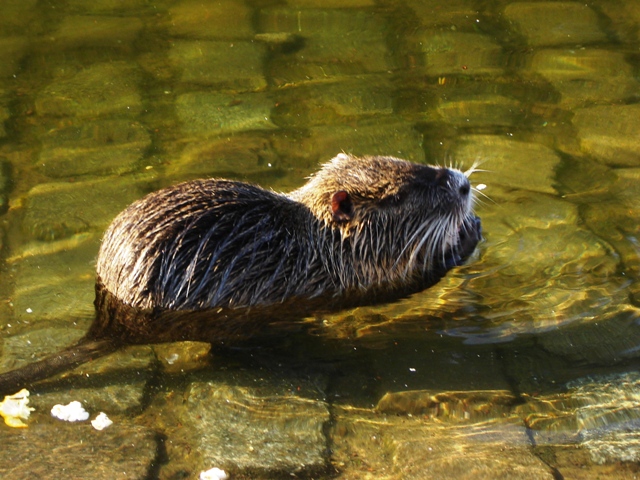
(520, 364)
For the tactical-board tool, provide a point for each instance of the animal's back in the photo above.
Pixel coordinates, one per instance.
(209, 244)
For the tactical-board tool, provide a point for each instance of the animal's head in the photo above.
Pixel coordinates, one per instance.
(418, 211)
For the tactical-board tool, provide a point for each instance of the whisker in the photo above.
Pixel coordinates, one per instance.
(474, 168)
(410, 240)
(430, 237)
(428, 225)
(480, 192)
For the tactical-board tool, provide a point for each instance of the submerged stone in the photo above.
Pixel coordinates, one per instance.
(458, 14)
(465, 406)
(95, 31)
(4, 115)
(440, 53)
(555, 23)
(110, 6)
(56, 285)
(627, 189)
(365, 137)
(333, 42)
(102, 89)
(234, 65)
(333, 103)
(251, 432)
(599, 414)
(180, 357)
(611, 337)
(17, 16)
(412, 448)
(93, 147)
(203, 113)
(625, 17)
(576, 251)
(195, 19)
(610, 133)
(12, 51)
(544, 279)
(480, 111)
(54, 280)
(5, 184)
(487, 450)
(68, 450)
(619, 207)
(594, 338)
(584, 76)
(35, 344)
(116, 383)
(331, 3)
(60, 209)
(513, 210)
(510, 163)
(235, 155)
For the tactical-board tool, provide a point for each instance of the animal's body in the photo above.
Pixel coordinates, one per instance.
(360, 228)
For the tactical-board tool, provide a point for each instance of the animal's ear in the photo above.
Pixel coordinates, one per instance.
(341, 207)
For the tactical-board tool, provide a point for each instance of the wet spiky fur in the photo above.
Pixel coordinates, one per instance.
(218, 243)
(181, 263)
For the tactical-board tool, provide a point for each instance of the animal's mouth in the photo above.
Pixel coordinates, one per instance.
(469, 235)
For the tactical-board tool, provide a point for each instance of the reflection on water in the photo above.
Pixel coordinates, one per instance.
(519, 364)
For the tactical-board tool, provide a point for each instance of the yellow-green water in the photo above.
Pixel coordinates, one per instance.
(520, 364)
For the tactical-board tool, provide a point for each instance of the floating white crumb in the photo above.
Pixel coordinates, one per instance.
(74, 412)
(214, 474)
(171, 359)
(101, 421)
(14, 409)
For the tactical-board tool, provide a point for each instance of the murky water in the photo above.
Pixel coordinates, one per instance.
(520, 364)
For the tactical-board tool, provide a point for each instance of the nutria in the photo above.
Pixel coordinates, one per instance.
(217, 259)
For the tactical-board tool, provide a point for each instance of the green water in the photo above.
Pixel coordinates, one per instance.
(520, 364)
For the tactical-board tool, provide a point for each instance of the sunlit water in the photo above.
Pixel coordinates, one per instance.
(519, 364)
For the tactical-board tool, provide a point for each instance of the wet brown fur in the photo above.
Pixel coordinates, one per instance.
(216, 260)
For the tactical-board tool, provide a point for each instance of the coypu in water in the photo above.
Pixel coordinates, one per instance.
(217, 259)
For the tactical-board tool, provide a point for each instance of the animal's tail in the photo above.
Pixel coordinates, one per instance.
(70, 357)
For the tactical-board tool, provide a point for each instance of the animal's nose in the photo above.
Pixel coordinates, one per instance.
(465, 187)
(454, 180)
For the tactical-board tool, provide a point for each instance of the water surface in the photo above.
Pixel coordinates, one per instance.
(520, 364)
